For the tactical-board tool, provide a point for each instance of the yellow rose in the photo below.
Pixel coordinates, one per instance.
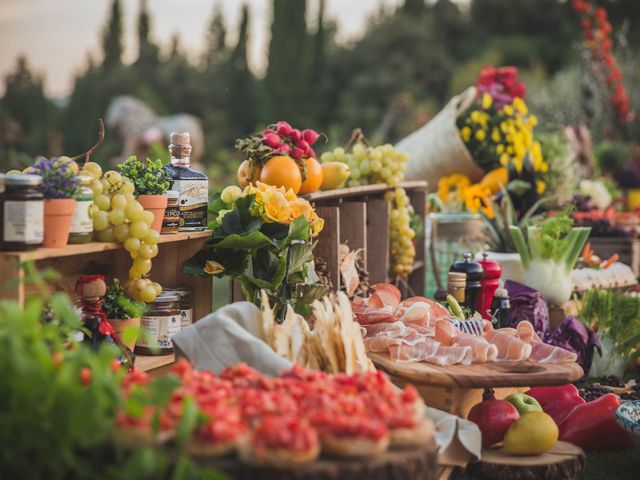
(290, 195)
(276, 207)
(213, 268)
(316, 226)
(300, 208)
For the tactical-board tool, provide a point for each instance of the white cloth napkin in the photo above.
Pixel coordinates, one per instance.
(231, 335)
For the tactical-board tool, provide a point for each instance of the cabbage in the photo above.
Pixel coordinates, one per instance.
(527, 304)
(575, 336)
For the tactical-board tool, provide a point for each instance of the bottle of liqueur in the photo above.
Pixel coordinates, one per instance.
(192, 186)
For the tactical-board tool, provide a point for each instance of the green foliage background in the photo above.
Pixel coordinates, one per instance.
(406, 65)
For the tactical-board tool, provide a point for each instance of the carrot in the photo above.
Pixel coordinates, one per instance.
(612, 259)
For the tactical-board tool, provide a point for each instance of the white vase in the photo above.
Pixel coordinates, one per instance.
(511, 264)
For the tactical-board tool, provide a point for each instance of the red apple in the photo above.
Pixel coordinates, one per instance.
(493, 417)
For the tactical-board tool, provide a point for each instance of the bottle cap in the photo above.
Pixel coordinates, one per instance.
(180, 138)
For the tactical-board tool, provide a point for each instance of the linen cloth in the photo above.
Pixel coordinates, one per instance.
(233, 334)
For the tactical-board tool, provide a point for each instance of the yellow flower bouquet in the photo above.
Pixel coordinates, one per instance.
(263, 237)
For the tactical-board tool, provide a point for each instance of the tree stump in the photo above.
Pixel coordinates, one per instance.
(563, 461)
(414, 464)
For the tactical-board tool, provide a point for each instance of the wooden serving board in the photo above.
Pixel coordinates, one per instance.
(563, 461)
(480, 375)
(414, 464)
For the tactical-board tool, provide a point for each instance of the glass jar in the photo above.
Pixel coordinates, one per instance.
(161, 323)
(21, 213)
(457, 282)
(82, 221)
(171, 220)
(186, 305)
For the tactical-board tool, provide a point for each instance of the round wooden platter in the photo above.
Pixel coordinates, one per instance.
(563, 461)
(415, 464)
(480, 375)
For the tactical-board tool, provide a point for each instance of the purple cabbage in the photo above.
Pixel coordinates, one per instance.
(575, 336)
(527, 304)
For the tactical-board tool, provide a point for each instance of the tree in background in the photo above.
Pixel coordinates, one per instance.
(286, 86)
(215, 44)
(148, 52)
(112, 43)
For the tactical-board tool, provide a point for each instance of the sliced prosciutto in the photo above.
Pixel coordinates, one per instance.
(482, 351)
(543, 352)
(510, 347)
(432, 352)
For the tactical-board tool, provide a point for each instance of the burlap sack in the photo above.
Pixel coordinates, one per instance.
(436, 149)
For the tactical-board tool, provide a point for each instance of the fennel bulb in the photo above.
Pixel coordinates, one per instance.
(551, 279)
(548, 259)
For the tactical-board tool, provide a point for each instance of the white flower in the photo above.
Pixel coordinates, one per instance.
(597, 192)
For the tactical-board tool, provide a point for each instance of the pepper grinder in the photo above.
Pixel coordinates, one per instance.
(474, 273)
(492, 271)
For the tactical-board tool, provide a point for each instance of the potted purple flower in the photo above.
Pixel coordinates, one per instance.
(59, 182)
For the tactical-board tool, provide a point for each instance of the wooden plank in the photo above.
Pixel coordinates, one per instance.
(12, 280)
(377, 240)
(328, 242)
(145, 363)
(418, 199)
(481, 375)
(340, 193)
(353, 225)
(96, 247)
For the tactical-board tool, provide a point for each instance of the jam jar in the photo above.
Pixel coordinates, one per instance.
(82, 220)
(171, 219)
(21, 213)
(161, 323)
(186, 306)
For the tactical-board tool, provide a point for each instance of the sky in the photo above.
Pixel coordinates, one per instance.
(58, 35)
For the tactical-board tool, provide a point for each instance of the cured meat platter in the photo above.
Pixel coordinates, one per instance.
(480, 375)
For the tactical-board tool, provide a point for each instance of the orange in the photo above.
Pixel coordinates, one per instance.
(314, 177)
(282, 171)
(248, 172)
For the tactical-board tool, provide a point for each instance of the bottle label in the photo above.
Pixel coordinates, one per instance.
(161, 329)
(82, 221)
(194, 196)
(171, 220)
(186, 318)
(24, 222)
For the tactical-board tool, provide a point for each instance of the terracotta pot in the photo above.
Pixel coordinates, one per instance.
(58, 213)
(120, 326)
(156, 204)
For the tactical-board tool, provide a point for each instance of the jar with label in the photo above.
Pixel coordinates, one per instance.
(192, 186)
(171, 220)
(161, 323)
(82, 221)
(21, 213)
(186, 306)
(457, 282)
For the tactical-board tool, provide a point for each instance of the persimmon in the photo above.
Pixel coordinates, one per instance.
(248, 172)
(314, 176)
(282, 171)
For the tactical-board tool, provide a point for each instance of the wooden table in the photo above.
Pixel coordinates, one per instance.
(456, 388)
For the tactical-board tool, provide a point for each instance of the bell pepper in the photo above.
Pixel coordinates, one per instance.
(593, 425)
(557, 401)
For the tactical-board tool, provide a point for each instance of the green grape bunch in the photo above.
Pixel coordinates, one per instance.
(383, 164)
(119, 217)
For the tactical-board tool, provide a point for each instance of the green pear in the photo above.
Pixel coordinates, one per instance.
(532, 434)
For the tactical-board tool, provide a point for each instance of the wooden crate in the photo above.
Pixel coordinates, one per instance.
(113, 261)
(359, 217)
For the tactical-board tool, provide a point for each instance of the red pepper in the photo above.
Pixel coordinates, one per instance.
(557, 401)
(593, 426)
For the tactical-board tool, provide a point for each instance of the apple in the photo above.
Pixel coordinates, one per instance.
(493, 417)
(524, 403)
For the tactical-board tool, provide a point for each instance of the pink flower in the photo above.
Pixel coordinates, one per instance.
(296, 153)
(295, 135)
(310, 136)
(283, 128)
(272, 140)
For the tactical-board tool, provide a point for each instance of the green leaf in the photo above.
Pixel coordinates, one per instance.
(299, 229)
(234, 262)
(268, 270)
(188, 419)
(300, 254)
(518, 187)
(275, 231)
(216, 204)
(250, 241)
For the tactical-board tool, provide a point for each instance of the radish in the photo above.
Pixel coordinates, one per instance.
(284, 148)
(296, 153)
(272, 140)
(296, 135)
(310, 136)
(283, 128)
(302, 145)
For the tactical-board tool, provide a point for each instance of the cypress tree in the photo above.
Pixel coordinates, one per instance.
(216, 46)
(287, 80)
(147, 51)
(112, 44)
(241, 98)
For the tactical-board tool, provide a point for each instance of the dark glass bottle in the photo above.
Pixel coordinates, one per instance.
(473, 270)
(192, 186)
(500, 308)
